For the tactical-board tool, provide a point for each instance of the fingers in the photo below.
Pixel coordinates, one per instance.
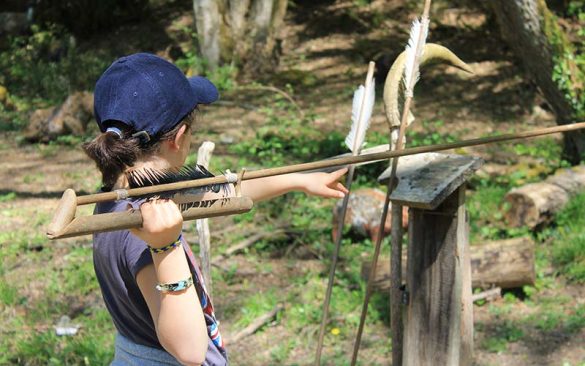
(332, 193)
(341, 187)
(338, 174)
(161, 222)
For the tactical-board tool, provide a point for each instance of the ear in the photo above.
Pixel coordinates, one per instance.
(179, 137)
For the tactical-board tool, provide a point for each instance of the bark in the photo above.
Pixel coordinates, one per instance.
(536, 203)
(207, 23)
(532, 32)
(505, 263)
(244, 32)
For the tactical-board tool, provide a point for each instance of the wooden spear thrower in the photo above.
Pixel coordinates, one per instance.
(65, 224)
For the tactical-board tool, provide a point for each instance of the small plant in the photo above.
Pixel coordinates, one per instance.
(504, 333)
(569, 240)
(222, 76)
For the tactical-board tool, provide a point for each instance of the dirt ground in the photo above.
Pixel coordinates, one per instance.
(334, 49)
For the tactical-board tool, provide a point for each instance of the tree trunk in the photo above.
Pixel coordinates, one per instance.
(207, 23)
(532, 32)
(244, 32)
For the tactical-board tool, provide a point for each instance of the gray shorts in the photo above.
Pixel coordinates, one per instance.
(129, 353)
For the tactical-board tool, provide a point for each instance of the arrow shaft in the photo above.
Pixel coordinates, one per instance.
(296, 168)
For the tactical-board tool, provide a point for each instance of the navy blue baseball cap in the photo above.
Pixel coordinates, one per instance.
(148, 93)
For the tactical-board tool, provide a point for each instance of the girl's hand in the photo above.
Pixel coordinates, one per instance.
(325, 184)
(161, 223)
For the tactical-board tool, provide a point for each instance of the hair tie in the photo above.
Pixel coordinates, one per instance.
(143, 136)
(115, 130)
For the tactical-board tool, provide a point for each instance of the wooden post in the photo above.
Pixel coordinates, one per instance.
(438, 316)
(203, 157)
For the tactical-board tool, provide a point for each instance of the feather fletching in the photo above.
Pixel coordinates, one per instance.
(414, 50)
(362, 107)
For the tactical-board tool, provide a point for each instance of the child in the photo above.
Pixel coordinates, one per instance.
(145, 108)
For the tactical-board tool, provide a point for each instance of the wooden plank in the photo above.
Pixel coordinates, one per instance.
(425, 180)
(464, 257)
(433, 317)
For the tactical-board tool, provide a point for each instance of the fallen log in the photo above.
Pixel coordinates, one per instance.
(536, 203)
(505, 263)
(246, 243)
(254, 326)
(487, 295)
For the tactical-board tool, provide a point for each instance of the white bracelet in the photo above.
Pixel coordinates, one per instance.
(176, 286)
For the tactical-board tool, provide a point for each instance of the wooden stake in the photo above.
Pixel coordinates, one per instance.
(396, 244)
(203, 157)
(338, 237)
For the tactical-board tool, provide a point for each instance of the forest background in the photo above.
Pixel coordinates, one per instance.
(287, 71)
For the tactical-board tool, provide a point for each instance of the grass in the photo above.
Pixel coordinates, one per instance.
(568, 241)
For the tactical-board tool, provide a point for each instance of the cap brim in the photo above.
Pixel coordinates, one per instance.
(204, 89)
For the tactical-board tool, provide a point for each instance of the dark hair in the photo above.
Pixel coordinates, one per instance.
(113, 154)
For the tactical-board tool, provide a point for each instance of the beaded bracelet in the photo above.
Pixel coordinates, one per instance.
(176, 286)
(174, 244)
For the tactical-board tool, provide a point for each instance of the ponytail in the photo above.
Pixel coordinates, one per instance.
(112, 155)
(114, 152)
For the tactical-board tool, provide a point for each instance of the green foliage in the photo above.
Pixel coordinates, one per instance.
(551, 317)
(46, 66)
(222, 76)
(431, 135)
(568, 58)
(8, 294)
(7, 196)
(569, 239)
(93, 345)
(505, 333)
(576, 8)
(85, 17)
(255, 306)
(287, 137)
(486, 215)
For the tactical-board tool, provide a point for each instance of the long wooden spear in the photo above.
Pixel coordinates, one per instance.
(414, 49)
(363, 103)
(70, 201)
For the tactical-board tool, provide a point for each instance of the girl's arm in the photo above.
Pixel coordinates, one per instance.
(177, 316)
(316, 184)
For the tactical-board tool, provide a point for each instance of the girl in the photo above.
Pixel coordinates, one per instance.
(151, 285)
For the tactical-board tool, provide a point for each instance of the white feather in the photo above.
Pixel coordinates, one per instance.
(362, 107)
(414, 51)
